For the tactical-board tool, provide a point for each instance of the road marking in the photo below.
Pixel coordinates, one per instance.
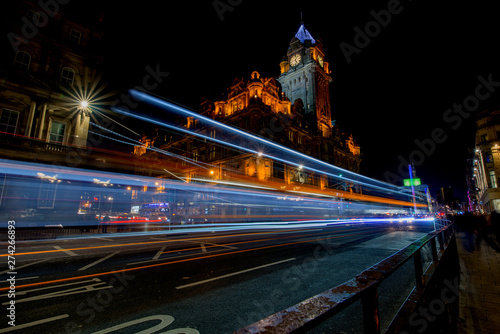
(167, 258)
(219, 245)
(70, 253)
(165, 320)
(211, 255)
(159, 253)
(232, 274)
(55, 286)
(26, 265)
(72, 291)
(98, 261)
(203, 249)
(105, 239)
(34, 323)
(25, 278)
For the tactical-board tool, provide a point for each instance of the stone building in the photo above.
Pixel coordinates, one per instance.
(48, 58)
(293, 110)
(484, 185)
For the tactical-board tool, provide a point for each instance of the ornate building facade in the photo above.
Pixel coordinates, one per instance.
(293, 110)
(46, 55)
(484, 166)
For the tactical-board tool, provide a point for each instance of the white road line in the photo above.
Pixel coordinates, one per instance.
(105, 239)
(70, 253)
(203, 249)
(225, 246)
(24, 292)
(166, 259)
(21, 267)
(34, 323)
(159, 253)
(98, 261)
(25, 278)
(77, 290)
(232, 274)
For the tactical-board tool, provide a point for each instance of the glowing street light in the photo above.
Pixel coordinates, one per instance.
(84, 104)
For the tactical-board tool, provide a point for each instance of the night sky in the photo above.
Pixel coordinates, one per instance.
(395, 90)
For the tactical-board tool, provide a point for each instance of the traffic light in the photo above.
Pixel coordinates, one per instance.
(97, 202)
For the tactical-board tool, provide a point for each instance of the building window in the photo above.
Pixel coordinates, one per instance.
(484, 138)
(493, 179)
(74, 37)
(47, 194)
(290, 136)
(8, 121)
(195, 155)
(67, 76)
(489, 158)
(22, 61)
(57, 130)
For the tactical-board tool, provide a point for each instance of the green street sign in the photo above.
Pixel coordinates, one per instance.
(407, 182)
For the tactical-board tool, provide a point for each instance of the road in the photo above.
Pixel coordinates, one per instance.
(192, 283)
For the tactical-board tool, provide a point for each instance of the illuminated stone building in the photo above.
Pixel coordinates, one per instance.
(45, 55)
(293, 110)
(484, 184)
(48, 61)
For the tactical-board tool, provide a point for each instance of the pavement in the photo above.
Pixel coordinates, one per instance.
(479, 256)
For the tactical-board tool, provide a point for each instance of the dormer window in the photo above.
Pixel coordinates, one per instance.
(75, 37)
(22, 61)
(67, 76)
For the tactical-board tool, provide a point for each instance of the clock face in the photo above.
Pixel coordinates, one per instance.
(295, 60)
(320, 60)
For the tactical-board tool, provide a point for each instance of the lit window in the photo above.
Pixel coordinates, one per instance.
(22, 61)
(74, 37)
(493, 179)
(67, 76)
(57, 132)
(8, 121)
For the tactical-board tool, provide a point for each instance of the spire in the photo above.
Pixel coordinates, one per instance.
(302, 34)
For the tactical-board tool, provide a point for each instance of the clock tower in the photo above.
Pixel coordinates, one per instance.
(305, 76)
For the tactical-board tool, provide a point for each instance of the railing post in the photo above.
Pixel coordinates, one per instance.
(440, 239)
(419, 274)
(371, 317)
(434, 249)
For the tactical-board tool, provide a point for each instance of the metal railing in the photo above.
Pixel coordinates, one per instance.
(316, 310)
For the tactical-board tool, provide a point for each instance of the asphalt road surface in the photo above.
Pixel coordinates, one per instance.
(192, 283)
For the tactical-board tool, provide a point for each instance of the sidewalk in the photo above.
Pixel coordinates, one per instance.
(479, 284)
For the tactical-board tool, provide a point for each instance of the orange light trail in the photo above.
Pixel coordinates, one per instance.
(171, 262)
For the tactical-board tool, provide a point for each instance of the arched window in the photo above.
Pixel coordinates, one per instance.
(22, 61)
(67, 76)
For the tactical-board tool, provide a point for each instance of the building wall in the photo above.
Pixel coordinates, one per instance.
(43, 64)
(486, 161)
